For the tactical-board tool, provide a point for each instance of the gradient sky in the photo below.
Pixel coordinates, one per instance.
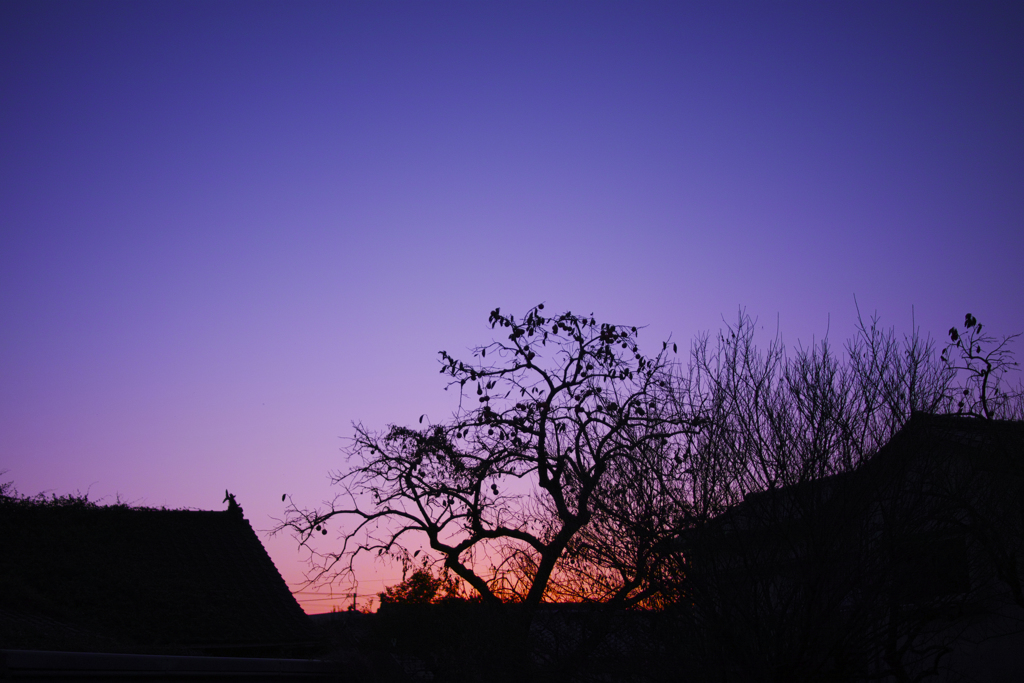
(229, 230)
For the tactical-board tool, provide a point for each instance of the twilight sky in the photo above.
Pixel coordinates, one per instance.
(229, 230)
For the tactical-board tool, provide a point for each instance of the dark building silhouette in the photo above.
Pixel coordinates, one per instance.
(907, 567)
(75, 576)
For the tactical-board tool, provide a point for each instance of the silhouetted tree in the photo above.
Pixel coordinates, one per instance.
(421, 588)
(551, 420)
(982, 361)
(806, 558)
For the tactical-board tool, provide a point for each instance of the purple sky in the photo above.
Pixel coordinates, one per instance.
(228, 230)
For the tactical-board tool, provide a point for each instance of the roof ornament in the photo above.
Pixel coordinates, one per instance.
(233, 506)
